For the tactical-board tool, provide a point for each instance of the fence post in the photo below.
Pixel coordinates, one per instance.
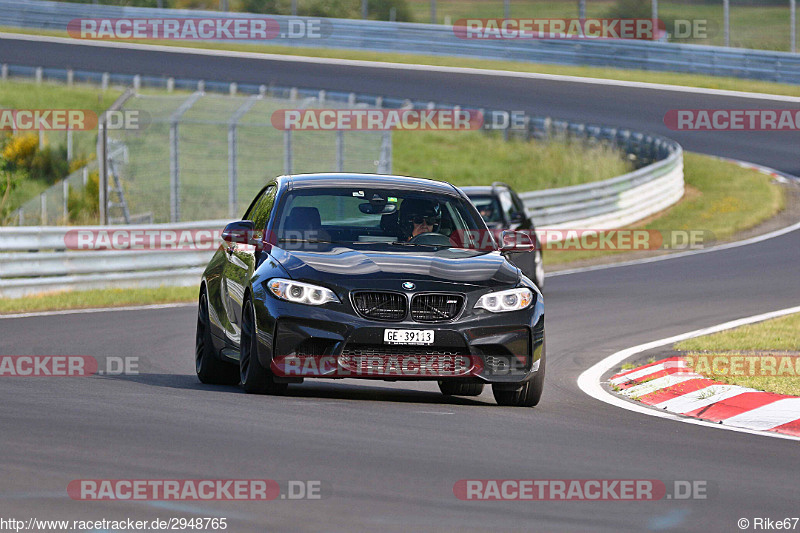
(38, 75)
(102, 167)
(137, 82)
(287, 152)
(174, 178)
(69, 144)
(65, 185)
(4, 71)
(104, 81)
(43, 203)
(233, 151)
(340, 151)
(174, 162)
(70, 77)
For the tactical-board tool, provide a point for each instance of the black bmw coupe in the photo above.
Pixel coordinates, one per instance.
(371, 277)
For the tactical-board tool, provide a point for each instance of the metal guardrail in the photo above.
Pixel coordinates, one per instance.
(611, 203)
(615, 202)
(441, 40)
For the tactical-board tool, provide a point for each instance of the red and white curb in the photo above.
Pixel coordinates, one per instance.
(759, 420)
(670, 385)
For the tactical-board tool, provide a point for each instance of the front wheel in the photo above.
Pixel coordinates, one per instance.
(255, 378)
(528, 395)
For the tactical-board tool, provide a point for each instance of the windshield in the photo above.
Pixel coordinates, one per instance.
(370, 216)
(488, 207)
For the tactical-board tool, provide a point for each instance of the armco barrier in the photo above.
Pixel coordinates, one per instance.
(441, 40)
(615, 202)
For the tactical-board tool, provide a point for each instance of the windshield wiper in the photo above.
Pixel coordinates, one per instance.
(312, 241)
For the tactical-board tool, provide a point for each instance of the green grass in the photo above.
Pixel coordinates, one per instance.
(776, 335)
(763, 27)
(670, 78)
(97, 298)
(723, 199)
(461, 158)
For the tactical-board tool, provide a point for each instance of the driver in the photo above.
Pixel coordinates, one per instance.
(418, 216)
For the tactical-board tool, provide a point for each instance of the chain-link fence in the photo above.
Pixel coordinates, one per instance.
(200, 156)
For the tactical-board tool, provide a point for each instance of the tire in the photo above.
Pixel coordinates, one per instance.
(528, 395)
(210, 369)
(254, 377)
(538, 277)
(459, 388)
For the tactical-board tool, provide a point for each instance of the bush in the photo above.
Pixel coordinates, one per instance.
(82, 204)
(50, 164)
(381, 10)
(20, 150)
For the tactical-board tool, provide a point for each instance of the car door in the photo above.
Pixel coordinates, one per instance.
(241, 261)
(516, 219)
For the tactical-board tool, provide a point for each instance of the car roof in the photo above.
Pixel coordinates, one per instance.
(342, 179)
(475, 190)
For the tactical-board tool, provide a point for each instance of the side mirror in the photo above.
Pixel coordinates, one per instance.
(517, 218)
(241, 232)
(516, 241)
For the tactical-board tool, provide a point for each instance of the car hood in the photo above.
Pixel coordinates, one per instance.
(351, 267)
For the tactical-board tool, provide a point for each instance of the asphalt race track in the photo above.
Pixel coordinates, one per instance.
(388, 454)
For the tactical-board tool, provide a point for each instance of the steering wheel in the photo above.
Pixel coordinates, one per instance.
(431, 238)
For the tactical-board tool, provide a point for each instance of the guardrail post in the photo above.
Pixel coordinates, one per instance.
(4, 71)
(104, 81)
(137, 82)
(170, 84)
(38, 75)
(233, 88)
(69, 145)
(262, 90)
(287, 152)
(351, 99)
(201, 86)
(379, 102)
(70, 77)
(43, 204)
(321, 97)
(293, 94)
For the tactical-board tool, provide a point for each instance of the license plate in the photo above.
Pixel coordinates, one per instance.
(408, 336)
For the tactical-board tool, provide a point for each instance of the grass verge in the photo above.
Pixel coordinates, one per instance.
(670, 78)
(460, 158)
(722, 198)
(97, 298)
(753, 356)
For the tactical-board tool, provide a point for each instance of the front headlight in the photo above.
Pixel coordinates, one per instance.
(301, 293)
(509, 300)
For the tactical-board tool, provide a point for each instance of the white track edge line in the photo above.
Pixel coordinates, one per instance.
(403, 66)
(589, 380)
(97, 310)
(665, 257)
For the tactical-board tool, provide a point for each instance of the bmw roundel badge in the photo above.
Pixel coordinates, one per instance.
(408, 286)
